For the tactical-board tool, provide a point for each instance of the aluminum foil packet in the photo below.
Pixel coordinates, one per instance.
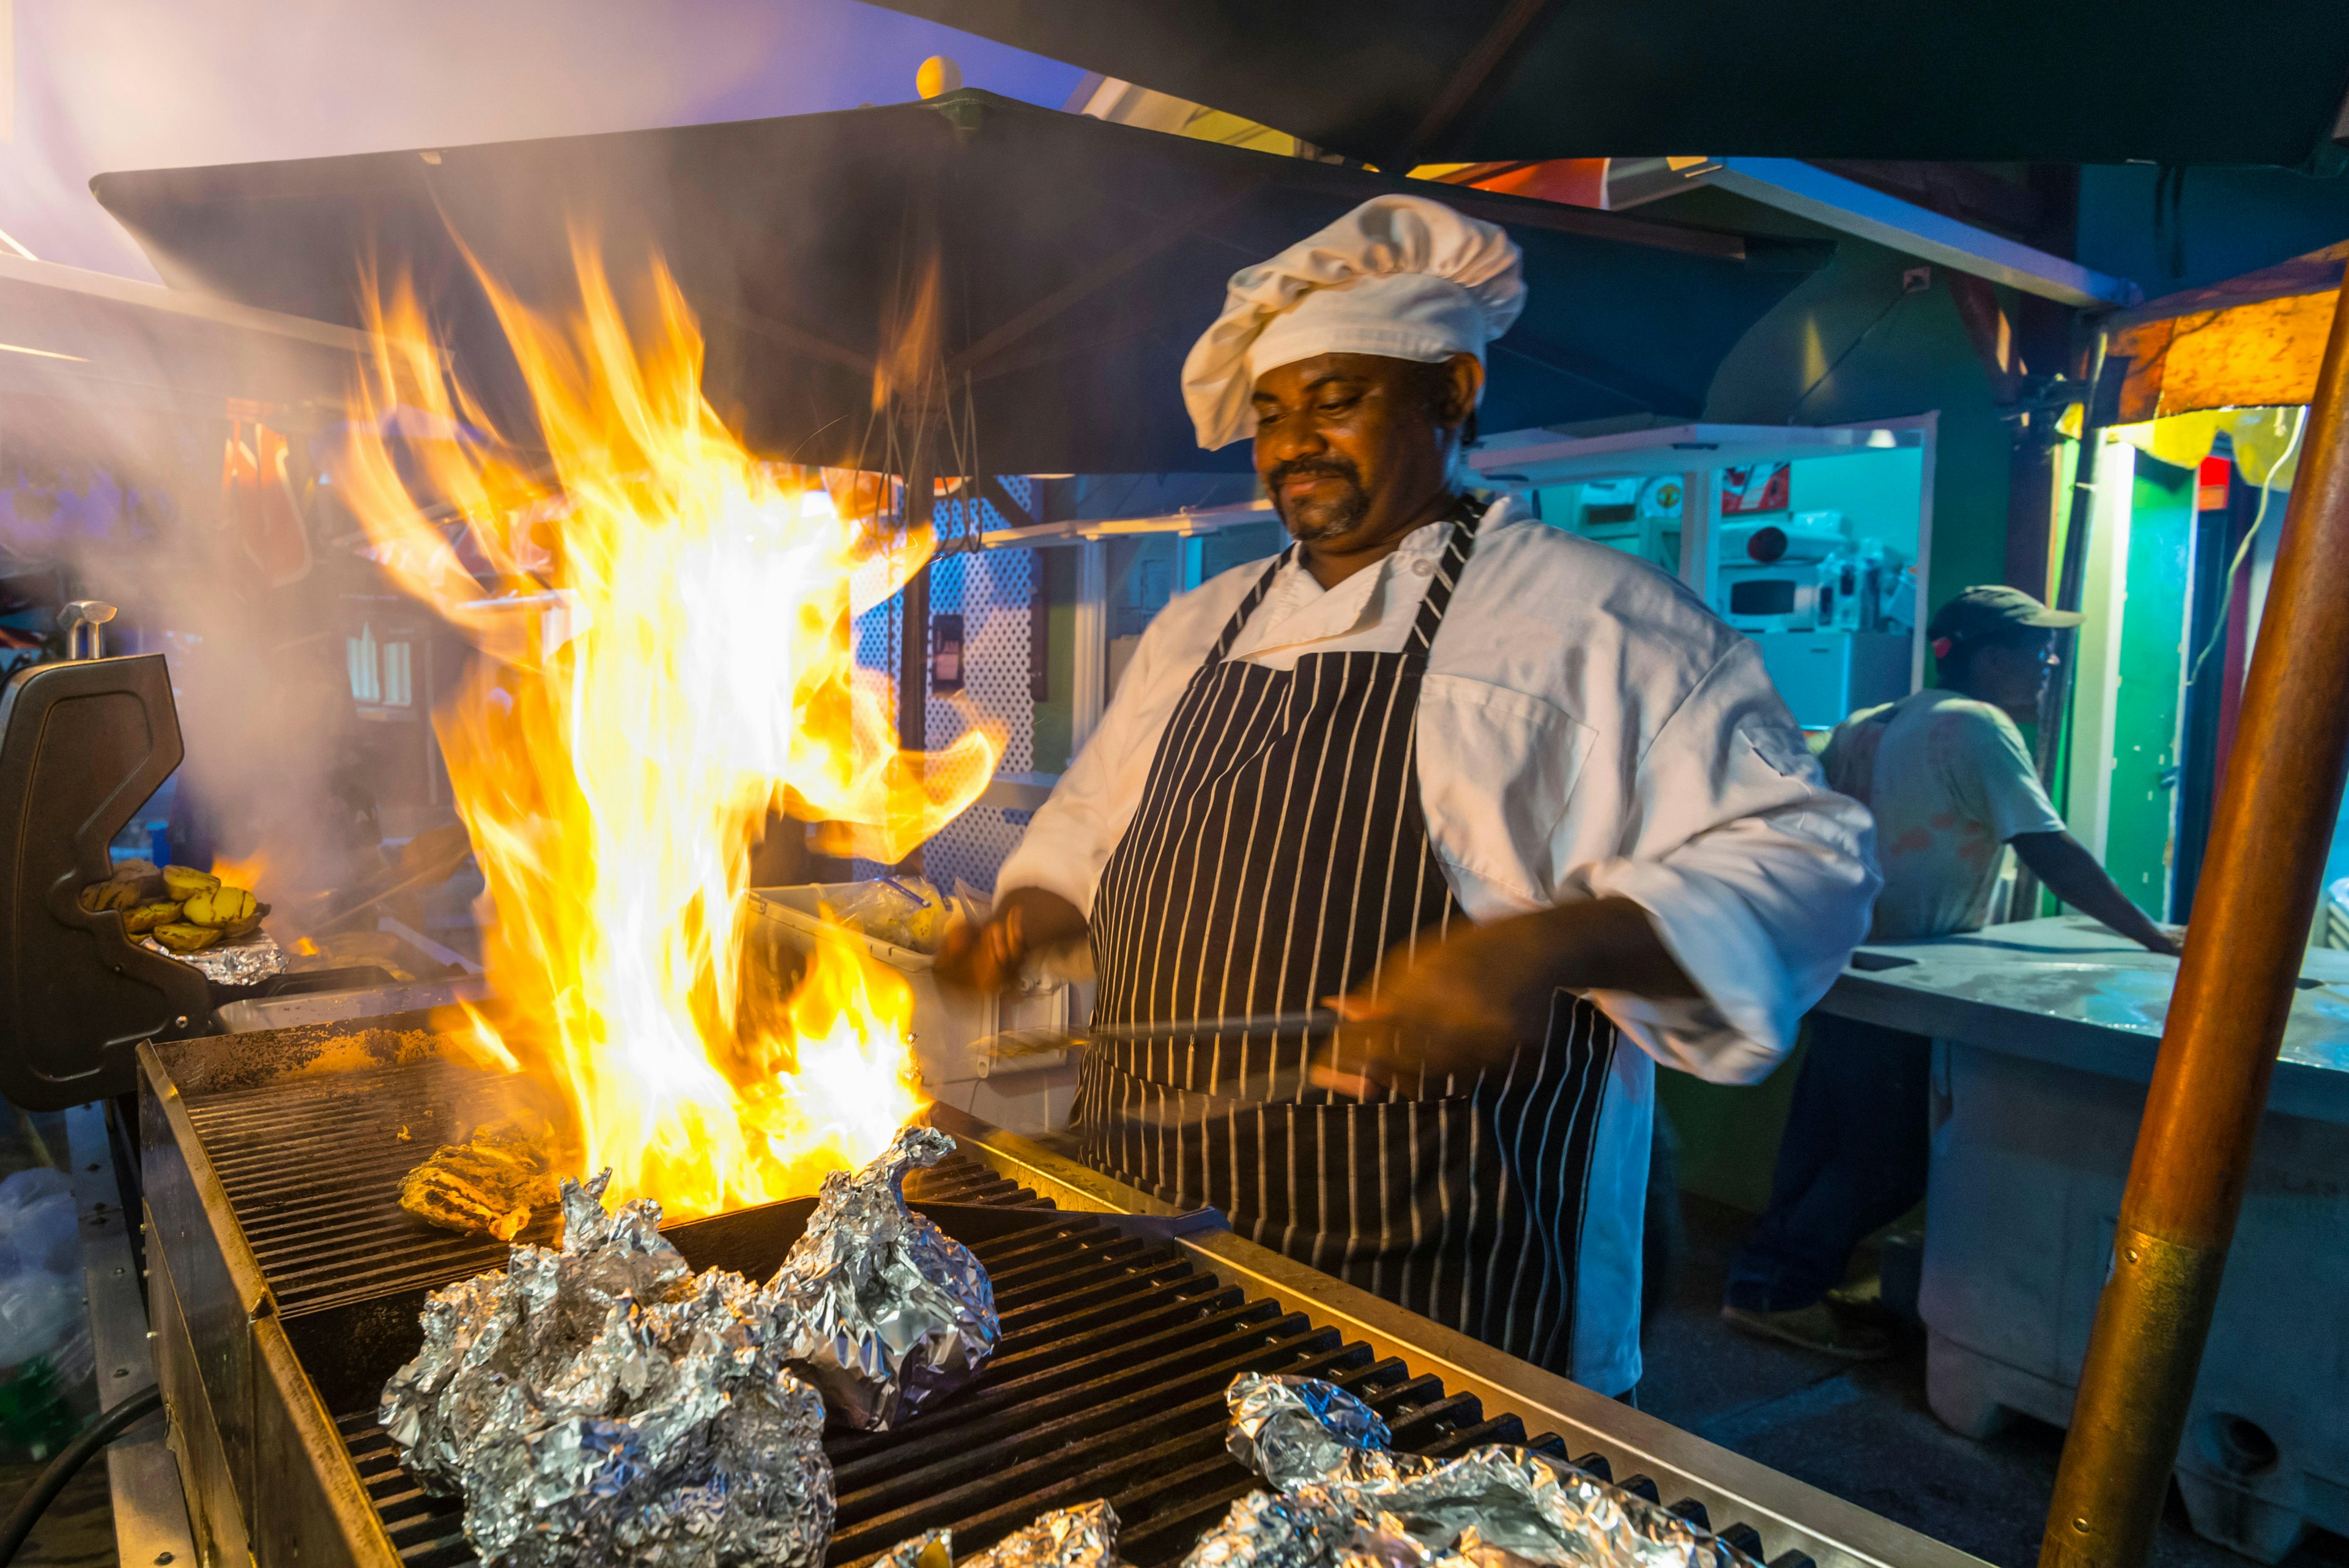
(602, 1403)
(245, 962)
(884, 1312)
(1295, 1431)
(1492, 1506)
(930, 1549)
(1084, 1536)
(1306, 1528)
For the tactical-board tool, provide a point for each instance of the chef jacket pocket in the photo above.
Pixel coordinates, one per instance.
(1497, 773)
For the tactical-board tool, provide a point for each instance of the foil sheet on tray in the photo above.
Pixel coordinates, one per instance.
(244, 962)
(884, 1312)
(602, 1403)
(1492, 1506)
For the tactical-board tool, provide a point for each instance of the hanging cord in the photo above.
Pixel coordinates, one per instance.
(2243, 551)
(68, 1462)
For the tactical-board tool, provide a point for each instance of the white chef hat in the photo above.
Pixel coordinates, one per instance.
(1401, 276)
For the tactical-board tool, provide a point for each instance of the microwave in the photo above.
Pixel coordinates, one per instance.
(1776, 597)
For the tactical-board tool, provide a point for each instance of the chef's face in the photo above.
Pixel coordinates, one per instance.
(1354, 448)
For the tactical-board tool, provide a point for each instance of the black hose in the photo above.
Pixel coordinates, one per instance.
(63, 1469)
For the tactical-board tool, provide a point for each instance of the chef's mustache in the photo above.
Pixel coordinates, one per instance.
(1314, 468)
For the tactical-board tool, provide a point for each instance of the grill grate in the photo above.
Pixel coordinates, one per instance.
(1109, 1383)
(312, 1170)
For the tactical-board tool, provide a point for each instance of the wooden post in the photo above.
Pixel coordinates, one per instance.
(2268, 843)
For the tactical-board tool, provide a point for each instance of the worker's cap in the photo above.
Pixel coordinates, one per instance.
(1401, 276)
(1992, 610)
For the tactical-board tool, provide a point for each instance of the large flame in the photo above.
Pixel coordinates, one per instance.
(670, 621)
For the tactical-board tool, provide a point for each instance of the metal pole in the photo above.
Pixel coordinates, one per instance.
(2105, 377)
(2275, 818)
(914, 628)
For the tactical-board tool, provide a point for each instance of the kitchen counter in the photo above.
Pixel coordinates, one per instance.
(2044, 1036)
(2067, 990)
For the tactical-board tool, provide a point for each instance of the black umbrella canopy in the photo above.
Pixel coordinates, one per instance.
(1075, 262)
(1398, 82)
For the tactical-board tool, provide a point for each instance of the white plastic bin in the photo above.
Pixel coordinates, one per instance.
(1027, 1095)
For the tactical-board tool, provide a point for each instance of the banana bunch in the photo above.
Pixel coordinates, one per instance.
(183, 908)
(133, 883)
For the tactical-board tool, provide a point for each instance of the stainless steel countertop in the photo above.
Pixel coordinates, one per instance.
(2068, 990)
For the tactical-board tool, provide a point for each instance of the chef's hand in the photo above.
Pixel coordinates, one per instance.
(1471, 1000)
(989, 956)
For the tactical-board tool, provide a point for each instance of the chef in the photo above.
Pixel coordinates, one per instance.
(1520, 802)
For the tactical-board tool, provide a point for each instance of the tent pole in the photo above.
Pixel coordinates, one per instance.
(2274, 821)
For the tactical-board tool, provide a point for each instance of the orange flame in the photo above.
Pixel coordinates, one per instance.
(672, 661)
(248, 873)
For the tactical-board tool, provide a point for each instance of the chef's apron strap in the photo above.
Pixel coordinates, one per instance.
(1448, 568)
(1248, 607)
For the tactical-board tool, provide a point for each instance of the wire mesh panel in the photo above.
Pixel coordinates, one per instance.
(989, 594)
(992, 592)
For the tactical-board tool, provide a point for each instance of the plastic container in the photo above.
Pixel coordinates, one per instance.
(1025, 1094)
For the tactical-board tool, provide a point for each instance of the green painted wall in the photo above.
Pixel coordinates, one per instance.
(2138, 834)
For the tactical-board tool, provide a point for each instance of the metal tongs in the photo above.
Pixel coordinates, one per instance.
(1016, 1043)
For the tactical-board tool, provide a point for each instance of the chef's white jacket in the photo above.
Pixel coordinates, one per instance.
(1586, 728)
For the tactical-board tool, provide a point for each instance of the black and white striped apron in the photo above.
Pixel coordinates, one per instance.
(1280, 852)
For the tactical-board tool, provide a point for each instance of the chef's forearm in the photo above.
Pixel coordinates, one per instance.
(1605, 944)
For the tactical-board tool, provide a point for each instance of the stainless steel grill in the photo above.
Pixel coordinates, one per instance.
(286, 1283)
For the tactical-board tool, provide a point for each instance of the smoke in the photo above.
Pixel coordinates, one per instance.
(216, 542)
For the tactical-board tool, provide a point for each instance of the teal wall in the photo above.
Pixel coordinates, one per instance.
(1875, 490)
(2233, 221)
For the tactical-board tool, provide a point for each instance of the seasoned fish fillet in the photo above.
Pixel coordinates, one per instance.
(488, 1183)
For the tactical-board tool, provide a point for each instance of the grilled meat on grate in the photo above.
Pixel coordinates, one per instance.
(488, 1184)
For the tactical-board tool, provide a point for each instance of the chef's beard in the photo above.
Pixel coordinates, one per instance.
(1327, 519)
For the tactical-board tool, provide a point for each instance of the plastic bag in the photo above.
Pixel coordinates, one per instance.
(906, 911)
(37, 1226)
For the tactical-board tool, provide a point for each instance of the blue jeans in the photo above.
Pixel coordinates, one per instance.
(1853, 1159)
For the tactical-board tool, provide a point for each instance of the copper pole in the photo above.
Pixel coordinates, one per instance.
(2268, 846)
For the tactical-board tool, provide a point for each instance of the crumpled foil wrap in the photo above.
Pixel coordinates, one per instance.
(1492, 1506)
(1084, 1536)
(1294, 1431)
(930, 1549)
(245, 962)
(1306, 1528)
(884, 1312)
(604, 1404)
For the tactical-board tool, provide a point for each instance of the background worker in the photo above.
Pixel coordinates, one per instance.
(1950, 783)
